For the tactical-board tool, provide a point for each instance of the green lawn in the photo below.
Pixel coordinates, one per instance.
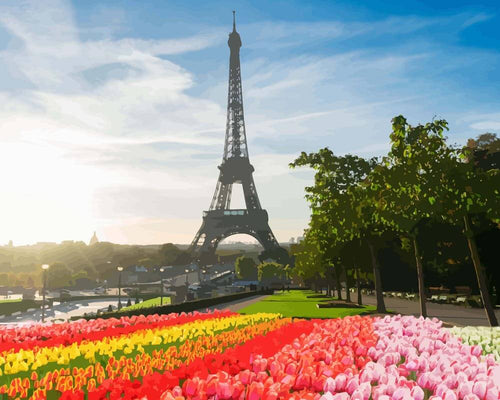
(10, 301)
(296, 304)
(148, 303)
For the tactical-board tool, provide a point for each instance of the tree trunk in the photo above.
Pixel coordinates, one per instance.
(347, 291)
(378, 280)
(420, 276)
(481, 278)
(339, 286)
(358, 286)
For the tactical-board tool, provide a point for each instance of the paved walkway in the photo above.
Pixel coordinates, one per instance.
(237, 304)
(457, 315)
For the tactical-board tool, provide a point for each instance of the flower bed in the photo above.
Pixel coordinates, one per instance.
(222, 355)
(486, 337)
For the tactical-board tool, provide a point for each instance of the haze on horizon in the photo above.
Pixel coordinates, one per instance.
(113, 113)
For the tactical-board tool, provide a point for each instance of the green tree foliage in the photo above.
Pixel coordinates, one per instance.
(246, 268)
(172, 255)
(269, 272)
(59, 276)
(341, 206)
(404, 186)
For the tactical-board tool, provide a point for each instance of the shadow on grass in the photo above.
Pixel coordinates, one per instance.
(338, 305)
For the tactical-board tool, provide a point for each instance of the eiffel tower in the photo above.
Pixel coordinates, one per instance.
(220, 221)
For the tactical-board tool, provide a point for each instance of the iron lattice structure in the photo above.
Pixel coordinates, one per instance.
(220, 221)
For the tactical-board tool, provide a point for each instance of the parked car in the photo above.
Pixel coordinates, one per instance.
(100, 290)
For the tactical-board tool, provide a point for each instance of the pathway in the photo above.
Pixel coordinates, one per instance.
(237, 304)
(457, 315)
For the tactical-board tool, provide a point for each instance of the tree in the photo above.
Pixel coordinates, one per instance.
(405, 185)
(342, 203)
(269, 272)
(471, 191)
(59, 276)
(246, 268)
(172, 255)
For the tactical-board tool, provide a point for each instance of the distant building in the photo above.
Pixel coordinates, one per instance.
(11, 244)
(93, 240)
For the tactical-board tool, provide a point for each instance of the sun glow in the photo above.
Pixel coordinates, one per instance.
(45, 196)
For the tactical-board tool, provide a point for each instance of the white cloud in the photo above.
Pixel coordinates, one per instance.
(105, 132)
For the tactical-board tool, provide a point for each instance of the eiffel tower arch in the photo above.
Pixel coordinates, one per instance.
(220, 221)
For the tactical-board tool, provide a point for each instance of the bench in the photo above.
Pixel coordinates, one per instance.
(434, 297)
(443, 299)
(460, 300)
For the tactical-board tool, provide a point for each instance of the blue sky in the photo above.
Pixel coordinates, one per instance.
(114, 111)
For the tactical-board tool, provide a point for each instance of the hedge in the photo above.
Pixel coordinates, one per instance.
(187, 306)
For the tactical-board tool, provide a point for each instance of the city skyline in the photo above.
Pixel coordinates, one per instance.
(114, 114)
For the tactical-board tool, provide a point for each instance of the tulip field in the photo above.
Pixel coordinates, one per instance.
(224, 355)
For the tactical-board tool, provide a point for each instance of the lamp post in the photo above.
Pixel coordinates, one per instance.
(187, 283)
(161, 283)
(120, 269)
(45, 268)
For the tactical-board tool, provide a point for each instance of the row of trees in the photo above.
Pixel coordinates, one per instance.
(358, 203)
(266, 272)
(75, 263)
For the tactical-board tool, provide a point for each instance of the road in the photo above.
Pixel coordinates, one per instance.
(61, 311)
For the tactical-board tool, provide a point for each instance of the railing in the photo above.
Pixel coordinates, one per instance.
(226, 212)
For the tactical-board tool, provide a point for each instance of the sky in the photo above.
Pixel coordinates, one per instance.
(113, 112)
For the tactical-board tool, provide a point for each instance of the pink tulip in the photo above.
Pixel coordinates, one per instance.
(366, 389)
(352, 384)
(341, 396)
(400, 393)
(291, 368)
(384, 397)
(417, 393)
(274, 367)
(465, 388)
(224, 390)
(390, 389)
(412, 365)
(326, 396)
(476, 350)
(492, 394)
(255, 391)
(340, 382)
(450, 395)
(441, 390)
(357, 395)
(330, 385)
(479, 389)
(471, 396)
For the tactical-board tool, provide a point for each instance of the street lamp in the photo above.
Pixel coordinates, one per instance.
(120, 269)
(161, 280)
(187, 283)
(45, 267)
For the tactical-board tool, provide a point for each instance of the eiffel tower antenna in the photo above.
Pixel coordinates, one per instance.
(220, 221)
